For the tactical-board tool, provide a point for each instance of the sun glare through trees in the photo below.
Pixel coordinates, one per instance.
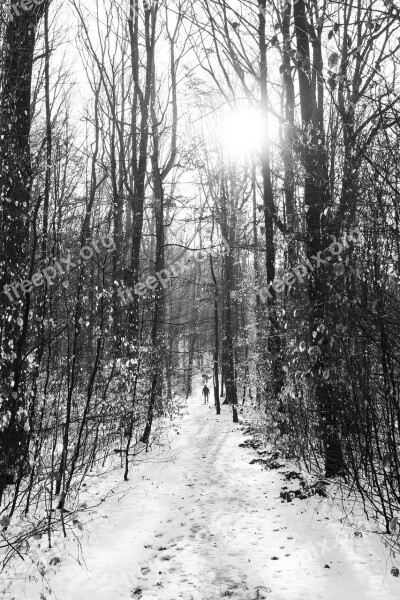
(243, 131)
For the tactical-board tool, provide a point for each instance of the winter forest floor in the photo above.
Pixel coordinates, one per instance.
(197, 521)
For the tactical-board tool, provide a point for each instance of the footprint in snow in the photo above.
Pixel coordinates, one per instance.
(262, 593)
(137, 592)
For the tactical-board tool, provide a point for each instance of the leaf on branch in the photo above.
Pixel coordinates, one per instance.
(338, 269)
(333, 59)
(309, 380)
(5, 521)
(332, 82)
(78, 524)
(386, 461)
(394, 525)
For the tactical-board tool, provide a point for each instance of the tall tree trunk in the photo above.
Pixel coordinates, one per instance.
(316, 196)
(260, 352)
(228, 231)
(15, 266)
(140, 164)
(216, 341)
(288, 130)
(189, 371)
(158, 316)
(274, 335)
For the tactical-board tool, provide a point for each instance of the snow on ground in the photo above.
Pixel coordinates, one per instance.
(204, 524)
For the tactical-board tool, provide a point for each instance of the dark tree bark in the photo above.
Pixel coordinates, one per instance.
(274, 335)
(216, 341)
(228, 227)
(137, 195)
(157, 328)
(15, 192)
(316, 197)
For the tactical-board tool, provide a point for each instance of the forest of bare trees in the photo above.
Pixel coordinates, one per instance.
(197, 187)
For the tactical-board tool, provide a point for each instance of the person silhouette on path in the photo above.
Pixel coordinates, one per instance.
(206, 393)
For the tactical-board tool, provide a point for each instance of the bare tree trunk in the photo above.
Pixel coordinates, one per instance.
(216, 341)
(274, 336)
(228, 228)
(158, 315)
(140, 166)
(15, 191)
(316, 195)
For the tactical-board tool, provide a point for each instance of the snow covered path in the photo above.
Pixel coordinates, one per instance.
(205, 525)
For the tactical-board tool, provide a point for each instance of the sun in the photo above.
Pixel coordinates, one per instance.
(242, 131)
